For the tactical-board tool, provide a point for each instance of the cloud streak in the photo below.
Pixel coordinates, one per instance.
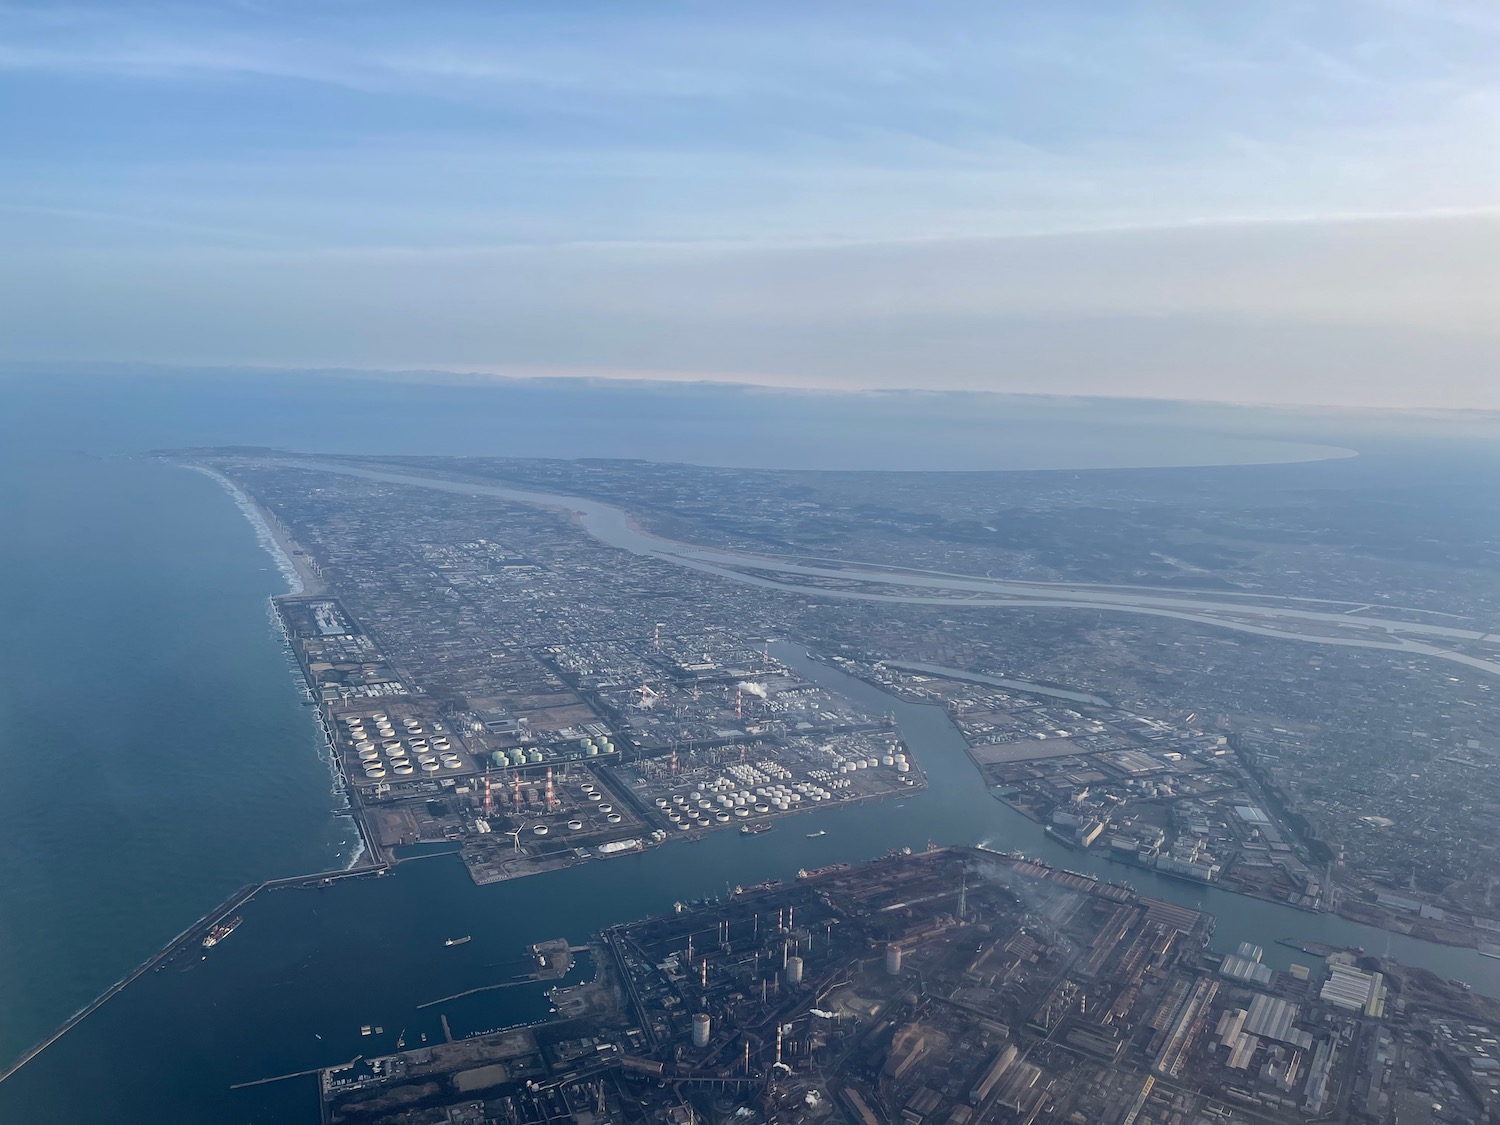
(473, 178)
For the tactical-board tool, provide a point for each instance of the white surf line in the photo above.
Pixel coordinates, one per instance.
(338, 791)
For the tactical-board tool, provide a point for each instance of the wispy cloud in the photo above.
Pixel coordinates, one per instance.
(1287, 162)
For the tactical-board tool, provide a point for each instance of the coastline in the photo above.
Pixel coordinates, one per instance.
(273, 537)
(295, 567)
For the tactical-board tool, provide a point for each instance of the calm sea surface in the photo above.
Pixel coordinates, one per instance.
(154, 752)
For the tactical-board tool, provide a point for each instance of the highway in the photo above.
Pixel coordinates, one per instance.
(1260, 615)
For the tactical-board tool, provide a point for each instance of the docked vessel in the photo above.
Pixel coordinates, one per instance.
(815, 872)
(458, 940)
(768, 885)
(221, 931)
(754, 829)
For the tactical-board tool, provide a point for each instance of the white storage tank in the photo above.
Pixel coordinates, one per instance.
(893, 959)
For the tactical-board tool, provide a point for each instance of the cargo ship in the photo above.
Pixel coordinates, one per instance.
(458, 940)
(754, 829)
(815, 872)
(221, 931)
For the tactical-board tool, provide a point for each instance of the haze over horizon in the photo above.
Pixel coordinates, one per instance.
(1290, 204)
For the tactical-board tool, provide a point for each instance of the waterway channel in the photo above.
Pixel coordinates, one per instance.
(292, 989)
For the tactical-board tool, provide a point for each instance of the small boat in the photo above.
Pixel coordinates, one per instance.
(815, 835)
(458, 940)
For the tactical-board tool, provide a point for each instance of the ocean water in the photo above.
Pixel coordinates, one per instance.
(697, 423)
(154, 751)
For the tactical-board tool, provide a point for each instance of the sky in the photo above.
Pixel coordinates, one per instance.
(1286, 202)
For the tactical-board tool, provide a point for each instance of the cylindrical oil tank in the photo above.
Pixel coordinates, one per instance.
(540, 830)
(702, 1028)
(613, 818)
(794, 970)
(575, 825)
(893, 959)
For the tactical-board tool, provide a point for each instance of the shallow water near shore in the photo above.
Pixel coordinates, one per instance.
(155, 748)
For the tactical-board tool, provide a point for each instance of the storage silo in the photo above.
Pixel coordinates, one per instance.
(893, 959)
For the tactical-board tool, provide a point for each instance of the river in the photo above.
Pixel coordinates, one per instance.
(1260, 615)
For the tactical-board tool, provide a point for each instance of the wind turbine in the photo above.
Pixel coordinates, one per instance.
(515, 835)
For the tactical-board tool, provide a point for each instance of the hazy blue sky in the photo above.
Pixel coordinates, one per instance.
(1251, 201)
